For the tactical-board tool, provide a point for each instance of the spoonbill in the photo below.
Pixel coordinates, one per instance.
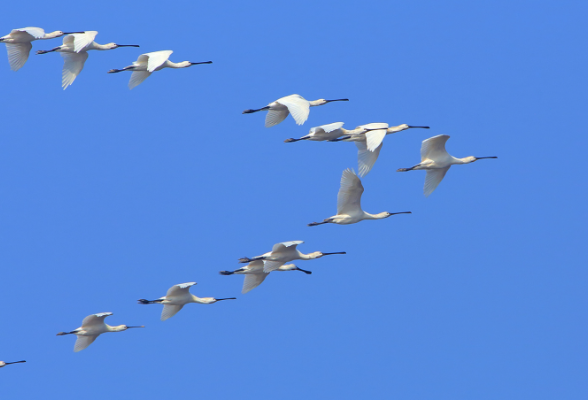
(177, 297)
(150, 62)
(74, 51)
(3, 364)
(436, 161)
(254, 273)
(18, 43)
(92, 327)
(369, 140)
(284, 252)
(293, 104)
(349, 203)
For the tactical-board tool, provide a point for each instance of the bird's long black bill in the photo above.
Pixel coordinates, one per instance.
(15, 362)
(202, 62)
(329, 101)
(142, 326)
(423, 127)
(71, 33)
(127, 45)
(338, 252)
(401, 212)
(303, 270)
(228, 298)
(481, 158)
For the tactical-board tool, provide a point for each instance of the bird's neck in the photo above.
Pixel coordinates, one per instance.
(51, 35)
(315, 103)
(375, 216)
(202, 300)
(96, 46)
(465, 160)
(394, 129)
(182, 64)
(118, 328)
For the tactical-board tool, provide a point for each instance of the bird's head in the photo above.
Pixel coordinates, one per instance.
(320, 102)
(319, 254)
(480, 158)
(121, 328)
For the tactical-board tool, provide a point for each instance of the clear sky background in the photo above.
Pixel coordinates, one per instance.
(109, 195)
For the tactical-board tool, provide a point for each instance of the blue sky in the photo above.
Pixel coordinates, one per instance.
(110, 195)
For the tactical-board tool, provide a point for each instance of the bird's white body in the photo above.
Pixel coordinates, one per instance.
(177, 297)
(293, 104)
(255, 275)
(349, 203)
(18, 44)
(74, 51)
(92, 327)
(437, 161)
(285, 252)
(148, 63)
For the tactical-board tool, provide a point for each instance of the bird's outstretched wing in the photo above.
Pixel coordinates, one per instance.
(73, 63)
(83, 341)
(18, 54)
(349, 196)
(180, 289)
(81, 40)
(283, 245)
(269, 266)
(374, 138)
(137, 77)
(94, 319)
(365, 158)
(32, 31)
(156, 59)
(433, 178)
(298, 106)
(434, 148)
(274, 117)
(253, 280)
(169, 311)
(331, 127)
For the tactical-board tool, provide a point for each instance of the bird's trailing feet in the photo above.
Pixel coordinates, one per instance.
(143, 301)
(253, 111)
(114, 71)
(66, 333)
(326, 221)
(295, 140)
(47, 51)
(244, 260)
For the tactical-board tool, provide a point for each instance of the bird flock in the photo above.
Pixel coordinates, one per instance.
(368, 138)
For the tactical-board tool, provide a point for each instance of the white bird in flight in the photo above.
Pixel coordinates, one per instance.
(3, 364)
(18, 43)
(349, 203)
(150, 62)
(74, 51)
(284, 252)
(369, 140)
(436, 161)
(177, 297)
(92, 327)
(254, 273)
(293, 104)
